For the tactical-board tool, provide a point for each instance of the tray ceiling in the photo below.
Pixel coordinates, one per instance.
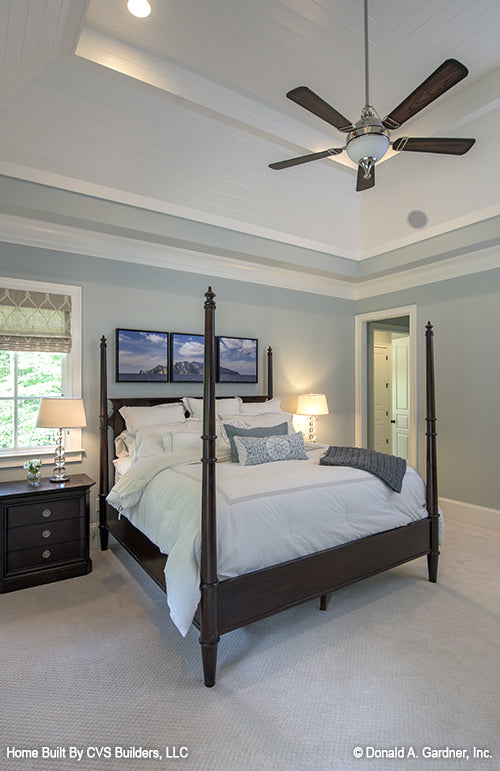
(182, 112)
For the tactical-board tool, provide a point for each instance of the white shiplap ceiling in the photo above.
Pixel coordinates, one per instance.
(182, 112)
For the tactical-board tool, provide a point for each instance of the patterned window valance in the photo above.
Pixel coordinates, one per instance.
(34, 321)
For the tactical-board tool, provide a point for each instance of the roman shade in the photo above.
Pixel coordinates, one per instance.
(34, 321)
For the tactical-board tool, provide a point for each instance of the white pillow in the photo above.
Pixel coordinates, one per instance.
(233, 420)
(179, 442)
(223, 407)
(269, 419)
(161, 414)
(121, 465)
(257, 408)
(124, 444)
(188, 426)
(192, 442)
(149, 442)
(183, 436)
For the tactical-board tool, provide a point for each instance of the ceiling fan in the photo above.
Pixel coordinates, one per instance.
(369, 138)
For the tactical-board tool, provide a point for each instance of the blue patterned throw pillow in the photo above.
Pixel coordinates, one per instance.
(253, 451)
(233, 431)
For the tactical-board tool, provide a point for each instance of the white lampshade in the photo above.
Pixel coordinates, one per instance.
(368, 146)
(62, 412)
(312, 404)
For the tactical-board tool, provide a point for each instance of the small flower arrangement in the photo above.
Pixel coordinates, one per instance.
(34, 465)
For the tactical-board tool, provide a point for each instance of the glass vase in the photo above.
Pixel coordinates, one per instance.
(33, 478)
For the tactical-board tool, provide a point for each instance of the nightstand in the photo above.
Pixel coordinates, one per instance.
(44, 531)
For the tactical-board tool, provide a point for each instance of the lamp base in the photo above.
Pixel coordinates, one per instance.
(59, 460)
(312, 428)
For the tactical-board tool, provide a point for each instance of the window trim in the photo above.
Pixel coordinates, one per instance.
(72, 373)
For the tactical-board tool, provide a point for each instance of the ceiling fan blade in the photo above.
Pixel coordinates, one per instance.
(306, 158)
(447, 75)
(361, 182)
(433, 145)
(306, 98)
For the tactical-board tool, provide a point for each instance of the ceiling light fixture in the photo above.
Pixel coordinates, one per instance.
(368, 143)
(139, 8)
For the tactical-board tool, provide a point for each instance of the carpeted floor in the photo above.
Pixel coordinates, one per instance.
(395, 664)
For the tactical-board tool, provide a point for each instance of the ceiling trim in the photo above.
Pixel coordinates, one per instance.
(62, 238)
(83, 187)
(455, 267)
(46, 235)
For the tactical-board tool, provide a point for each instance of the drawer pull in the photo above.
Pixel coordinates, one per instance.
(46, 513)
(46, 554)
(46, 534)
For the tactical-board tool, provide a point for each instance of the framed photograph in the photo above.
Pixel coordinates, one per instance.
(237, 360)
(186, 358)
(141, 356)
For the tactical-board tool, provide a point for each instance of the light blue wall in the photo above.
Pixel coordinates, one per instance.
(465, 313)
(312, 335)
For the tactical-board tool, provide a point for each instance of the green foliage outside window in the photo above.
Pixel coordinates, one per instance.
(25, 377)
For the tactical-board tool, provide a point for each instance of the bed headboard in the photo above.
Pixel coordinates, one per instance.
(117, 424)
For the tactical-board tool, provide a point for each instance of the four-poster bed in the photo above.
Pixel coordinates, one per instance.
(229, 603)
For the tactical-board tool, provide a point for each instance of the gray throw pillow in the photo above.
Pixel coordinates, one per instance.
(253, 450)
(231, 431)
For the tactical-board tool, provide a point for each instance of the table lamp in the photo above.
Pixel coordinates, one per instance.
(312, 405)
(61, 413)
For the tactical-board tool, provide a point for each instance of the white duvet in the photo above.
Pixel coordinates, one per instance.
(266, 514)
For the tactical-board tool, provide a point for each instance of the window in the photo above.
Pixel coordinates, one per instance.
(40, 355)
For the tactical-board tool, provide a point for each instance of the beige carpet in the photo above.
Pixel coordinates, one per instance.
(395, 662)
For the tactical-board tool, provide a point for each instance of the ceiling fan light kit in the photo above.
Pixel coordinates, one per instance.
(369, 138)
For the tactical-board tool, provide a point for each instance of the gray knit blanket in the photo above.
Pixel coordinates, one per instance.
(389, 468)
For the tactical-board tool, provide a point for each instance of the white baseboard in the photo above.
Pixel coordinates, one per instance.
(470, 514)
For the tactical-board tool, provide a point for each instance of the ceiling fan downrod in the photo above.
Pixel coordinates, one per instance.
(375, 141)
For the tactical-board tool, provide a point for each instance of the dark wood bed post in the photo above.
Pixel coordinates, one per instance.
(269, 373)
(209, 634)
(431, 470)
(103, 447)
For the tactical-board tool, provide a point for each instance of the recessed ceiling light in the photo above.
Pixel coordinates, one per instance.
(139, 8)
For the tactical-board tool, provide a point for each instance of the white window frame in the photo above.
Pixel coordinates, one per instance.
(72, 375)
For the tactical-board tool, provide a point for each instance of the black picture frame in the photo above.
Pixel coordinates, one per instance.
(186, 357)
(142, 356)
(237, 359)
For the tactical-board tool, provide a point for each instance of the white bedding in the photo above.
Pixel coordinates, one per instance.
(266, 514)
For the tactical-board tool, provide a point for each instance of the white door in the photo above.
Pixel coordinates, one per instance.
(381, 398)
(401, 397)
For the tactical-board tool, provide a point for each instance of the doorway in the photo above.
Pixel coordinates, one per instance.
(385, 382)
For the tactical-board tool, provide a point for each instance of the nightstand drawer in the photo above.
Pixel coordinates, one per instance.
(45, 533)
(44, 555)
(43, 511)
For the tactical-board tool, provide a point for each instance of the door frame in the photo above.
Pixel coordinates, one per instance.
(360, 374)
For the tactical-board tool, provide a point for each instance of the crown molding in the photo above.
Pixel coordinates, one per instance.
(62, 238)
